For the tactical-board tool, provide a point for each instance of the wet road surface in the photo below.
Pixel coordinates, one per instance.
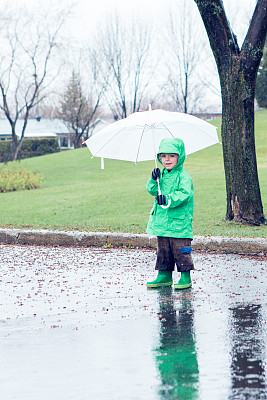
(80, 324)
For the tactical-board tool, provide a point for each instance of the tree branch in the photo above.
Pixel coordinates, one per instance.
(222, 39)
(252, 48)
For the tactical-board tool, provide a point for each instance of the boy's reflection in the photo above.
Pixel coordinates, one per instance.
(247, 365)
(176, 356)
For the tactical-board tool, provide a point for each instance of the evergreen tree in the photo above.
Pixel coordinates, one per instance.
(76, 111)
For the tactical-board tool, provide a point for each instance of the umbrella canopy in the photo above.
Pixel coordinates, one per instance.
(137, 137)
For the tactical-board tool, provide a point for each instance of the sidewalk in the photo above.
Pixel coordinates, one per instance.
(237, 245)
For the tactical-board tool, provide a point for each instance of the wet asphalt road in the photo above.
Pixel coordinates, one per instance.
(80, 324)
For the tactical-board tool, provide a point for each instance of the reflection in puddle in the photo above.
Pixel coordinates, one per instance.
(182, 367)
(176, 356)
(247, 356)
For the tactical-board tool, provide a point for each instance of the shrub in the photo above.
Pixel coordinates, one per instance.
(29, 148)
(13, 178)
(5, 150)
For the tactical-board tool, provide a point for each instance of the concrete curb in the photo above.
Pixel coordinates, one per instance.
(237, 245)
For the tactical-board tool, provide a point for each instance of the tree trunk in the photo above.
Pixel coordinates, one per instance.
(238, 70)
(17, 150)
(76, 139)
(14, 145)
(242, 184)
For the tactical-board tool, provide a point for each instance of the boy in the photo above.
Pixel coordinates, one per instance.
(173, 225)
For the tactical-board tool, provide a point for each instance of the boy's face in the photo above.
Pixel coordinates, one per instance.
(169, 160)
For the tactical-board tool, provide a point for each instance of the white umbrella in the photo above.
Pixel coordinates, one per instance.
(137, 137)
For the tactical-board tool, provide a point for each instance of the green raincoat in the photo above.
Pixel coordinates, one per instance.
(175, 221)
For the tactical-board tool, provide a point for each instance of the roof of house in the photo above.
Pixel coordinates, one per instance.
(35, 127)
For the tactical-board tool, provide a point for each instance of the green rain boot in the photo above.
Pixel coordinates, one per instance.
(184, 282)
(164, 278)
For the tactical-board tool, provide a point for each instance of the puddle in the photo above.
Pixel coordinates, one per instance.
(80, 324)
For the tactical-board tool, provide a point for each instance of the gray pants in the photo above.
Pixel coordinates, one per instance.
(173, 251)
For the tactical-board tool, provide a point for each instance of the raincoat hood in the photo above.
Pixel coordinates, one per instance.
(174, 146)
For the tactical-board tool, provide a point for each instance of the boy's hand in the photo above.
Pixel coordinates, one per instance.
(155, 174)
(161, 199)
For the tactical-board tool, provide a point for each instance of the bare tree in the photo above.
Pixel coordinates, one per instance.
(123, 54)
(186, 49)
(27, 65)
(238, 71)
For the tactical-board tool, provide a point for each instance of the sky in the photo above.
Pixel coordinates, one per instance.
(86, 15)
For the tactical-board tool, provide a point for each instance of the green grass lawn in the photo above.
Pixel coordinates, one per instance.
(78, 195)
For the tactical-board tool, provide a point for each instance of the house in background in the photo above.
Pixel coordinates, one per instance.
(99, 124)
(39, 128)
(49, 128)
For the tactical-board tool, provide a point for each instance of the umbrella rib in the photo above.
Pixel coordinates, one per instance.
(200, 128)
(142, 134)
(167, 129)
(105, 144)
(140, 143)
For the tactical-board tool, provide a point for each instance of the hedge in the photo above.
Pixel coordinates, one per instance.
(30, 148)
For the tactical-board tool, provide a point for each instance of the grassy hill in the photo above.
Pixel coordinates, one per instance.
(78, 195)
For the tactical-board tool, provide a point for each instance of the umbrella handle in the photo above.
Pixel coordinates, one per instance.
(159, 191)
(168, 205)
